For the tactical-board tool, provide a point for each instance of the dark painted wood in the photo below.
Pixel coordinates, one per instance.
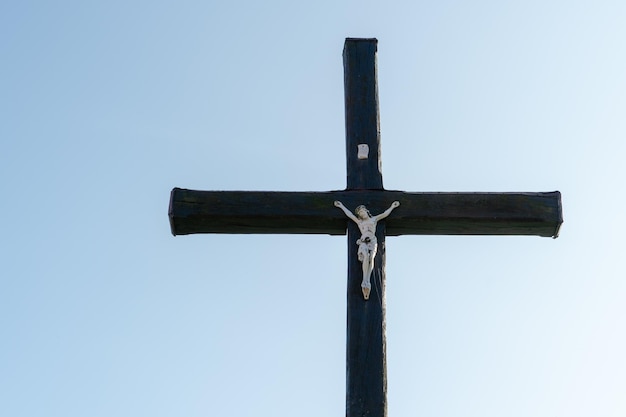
(366, 342)
(362, 120)
(537, 214)
(366, 362)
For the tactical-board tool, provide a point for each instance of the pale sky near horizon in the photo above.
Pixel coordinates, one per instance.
(106, 106)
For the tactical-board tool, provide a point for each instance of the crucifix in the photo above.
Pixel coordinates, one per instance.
(399, 213)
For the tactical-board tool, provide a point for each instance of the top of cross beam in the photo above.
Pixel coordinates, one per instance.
(374, 40)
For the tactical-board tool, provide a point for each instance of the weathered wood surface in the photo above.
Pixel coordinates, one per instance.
(246, 212)
(366, 340)
(366, 361)
(362, 116)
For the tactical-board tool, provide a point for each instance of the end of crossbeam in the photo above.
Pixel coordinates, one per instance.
(557, 229)
(170, 210)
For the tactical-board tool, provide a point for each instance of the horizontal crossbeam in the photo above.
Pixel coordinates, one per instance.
(244, 212)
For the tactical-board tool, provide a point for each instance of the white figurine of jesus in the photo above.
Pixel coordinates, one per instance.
(368, 245)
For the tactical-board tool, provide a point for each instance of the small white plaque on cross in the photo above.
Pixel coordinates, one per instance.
(363, 151)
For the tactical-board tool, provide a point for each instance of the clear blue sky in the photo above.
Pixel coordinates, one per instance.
(107, 105)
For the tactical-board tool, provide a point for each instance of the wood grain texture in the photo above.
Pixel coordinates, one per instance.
(271, 212)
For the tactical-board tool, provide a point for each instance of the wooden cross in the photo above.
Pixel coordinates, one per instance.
(536, 214)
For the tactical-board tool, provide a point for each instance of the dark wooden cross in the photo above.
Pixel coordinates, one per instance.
(536, 214)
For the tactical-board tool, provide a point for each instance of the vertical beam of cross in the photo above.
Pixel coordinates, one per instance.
(366, 368)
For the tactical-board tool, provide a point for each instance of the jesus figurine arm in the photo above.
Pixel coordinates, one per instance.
(387, 212)
(346, 211)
